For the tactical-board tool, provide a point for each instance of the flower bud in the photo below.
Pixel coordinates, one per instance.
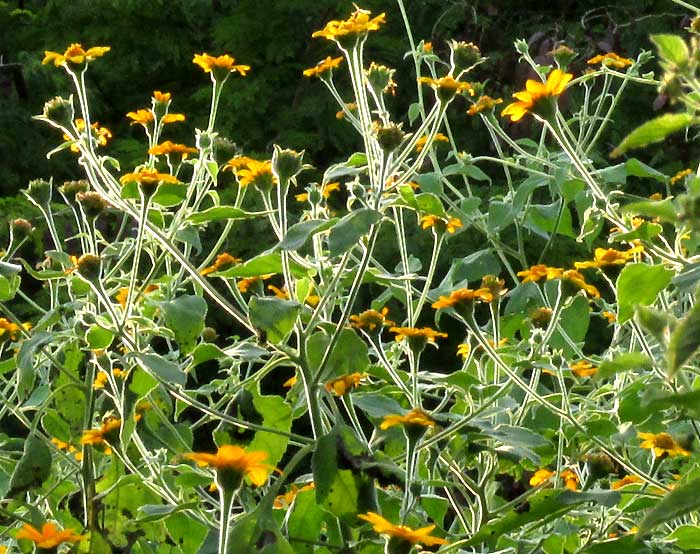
(463, 55)
(39, 191)
(60, 111)
(286, 163)
(209, 334)
(389, 137)
(92, 202)
(695, 25)
(541, 317)
(205, 140)
(89, 266)
(70, 189)
(21, 228)
(563, 55)
(381, 79)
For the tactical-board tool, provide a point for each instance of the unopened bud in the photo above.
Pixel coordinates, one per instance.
(92, 202)
(286, 163)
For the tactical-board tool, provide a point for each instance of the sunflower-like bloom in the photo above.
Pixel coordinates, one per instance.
(148, 176)
(680, 175)
(439, 137)
(49, 536)
(609, 316)
(570, 479)
(540, 476)
(75, 54)
(62, 445)
(402, 533)
(606, 257)
(223, 262)
(371, 320)
(464, 349)
(463, 296)
(582, 368)
(323, 66)
(142, 116)
(358, 24)
(576, 279)
(447, 87)
(426, 334)
(484, 103)
(109, 430)
(540, 271)
(416, 417)
(325, 192)
(162, 97)
(234, 459)
(252, 172)
(610, 59)
(626, 480)
(440, 224)
(99, 133)
(169, 147)
(123, 294)
(219, 66)
(343, 385)
(9, 330)
(662, 443)
(285, 500)
(289, 383)
(536, 91)
(244, 285)
(102, 377)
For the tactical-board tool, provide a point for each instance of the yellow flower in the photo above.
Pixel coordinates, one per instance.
(173, 118)
(102, 436)
(611, 317)
(285, 500)
(148, 176)
(322, 67)
(483, 103)
(233, 458)
(428, 48)
(605, 257)
(570, 479)
(464, 349)
(325, 192)
(540, 271)
(534, 92)
(162, 97)
(415, 417)
(371, 320)
(359, 23)
(289, 383)
(583, 368)
(402, 532)
(49, 536)
(142, 116)
(219, 66)
(439, 137)
(662, 443)
(426, 334)
(169, 147)
(11, 330)
(75, 55)
(61, 445)
(610, 59)
(223, 262)
(626, 480)
(102, 377)
(680, 175)
(447, 87)
(440, 224)
(576, 279)
(123, 294)
(99, 133)
(343, 385)
(540, 476)
(280, 293)
(244, 285)
(350, 106)
(463, 296)
(249, 171)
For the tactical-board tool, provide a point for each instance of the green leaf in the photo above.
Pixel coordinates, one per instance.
(184, 316)
(350, 353)
(219, 213)
(639, 284)
(305, 523)
(623, 362)
(98, 337)
(170, 194)
(274, 316)
(686, 537)
(471, 268)
(299, 233)
(26, 363)
(263, 264)
(685, 340)
(653, 131)
(657, 322)
(276, 414)
(33, 468)
(646, 231)
(157, 512)
(349, 230)
(205, 352)
(663, 209)
(542, 220)
(677, 502)
(161, 368)
(187, 532)
(9, 286)
(501, 214)
(672, 48)
(639, 169)
(429, 203)
(626, 545)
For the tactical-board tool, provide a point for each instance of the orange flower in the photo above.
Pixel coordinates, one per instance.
(11, 330)
(606, 257)
(583, 368)
(99, 133)
(440, 224)
(75, 55)
(289, 383)
(148, 176)
(439, 137)
(447, 87)
(680, 175)
(371, 320)
(540, 476)
(662, 443)
(610, 317)
(168, 147)
(343, 385)
(249, 171)
(540, 271)
(102, 436)
(244, 285)
(570, 479)
(463, 296)
(235, 459)
(535, 92)
(123, 294)
(358, 24)
(610, 59)
(464, 349)
(415, 417)
(61, 445)
(576, 279)
(626, 480)
(483, 103)
(219, 66)
(401, 532)
(426, 334)
(49, 536)
(223, 262)
(162, 97)
(322, 67)
(285, 500)
(325, 192)
(142, 116)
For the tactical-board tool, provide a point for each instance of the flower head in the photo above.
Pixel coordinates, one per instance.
(142, 116)
(417, 338)
(285, 500)
(680, 175)
(662, 443)
(577, 280)
(100, 134)
(626, 480)
(439, 137)
(371, 320)
(234, 462)
(540, 476)
(343, 385)
(220, 67)
(611, 59)
(148, 176)
(447, 87)
(483, 103)
(75, 55)
(10, 330)
(223, 262)
(168, 147)
(535, 91)
(323, 67)
(123, 294)
(570, 479)
(244, 285)
(606, 257)
(582, 368)
(253, 172)
(107, 433)
(357, 25)
(161, 97)
(402, 533)
(49, 536)
(463, 296)
(415, 417)
(440, 224)
(464, 349)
